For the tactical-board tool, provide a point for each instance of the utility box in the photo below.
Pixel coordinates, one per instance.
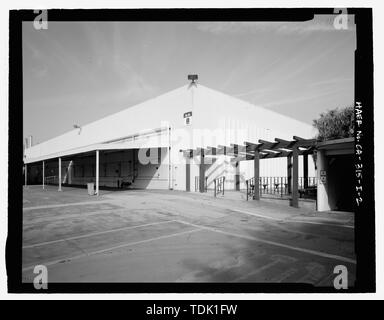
(91, 188)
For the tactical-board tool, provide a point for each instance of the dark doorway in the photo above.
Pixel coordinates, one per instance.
(340, 182)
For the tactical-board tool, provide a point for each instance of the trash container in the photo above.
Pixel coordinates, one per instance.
(91, 188)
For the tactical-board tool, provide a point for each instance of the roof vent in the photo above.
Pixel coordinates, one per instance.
(193, 78)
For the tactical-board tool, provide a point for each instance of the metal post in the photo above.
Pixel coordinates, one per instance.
(25, 175)
(188, 175)
(214, 184)
(134, 165)
(202, 172)
(281, 186)
(43, 175)
(295, 178)
(256, 176)
(97, 172)
(246, 182)
(59, 174)
(305, 167)
(237, 168)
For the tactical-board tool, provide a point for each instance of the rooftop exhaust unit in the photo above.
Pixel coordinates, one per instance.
(193, 78)
(76, 126)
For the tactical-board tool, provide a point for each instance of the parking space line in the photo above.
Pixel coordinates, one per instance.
(259, 270)
(96, 234)
(322, 223)
(49, 263)
(277, 244)
(257, 215)
(46, 218)
(48, 206)
(294, 221)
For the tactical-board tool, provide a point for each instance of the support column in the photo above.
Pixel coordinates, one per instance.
(43, 175)
(289, 173)
(295, 178)
(256, 176)
(134, 157)
(97, 172)
(25, 175)
(202, 172)
(188, 174)
(305, 169)
(59, 174)
(322, 186)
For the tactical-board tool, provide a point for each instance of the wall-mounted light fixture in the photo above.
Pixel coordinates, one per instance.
(76, 126)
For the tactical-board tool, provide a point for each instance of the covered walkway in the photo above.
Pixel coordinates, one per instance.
(257, 151)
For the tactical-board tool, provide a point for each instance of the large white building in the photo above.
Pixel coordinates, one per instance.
(140, 146)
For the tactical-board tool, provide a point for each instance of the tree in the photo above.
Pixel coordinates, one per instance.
(335, 124)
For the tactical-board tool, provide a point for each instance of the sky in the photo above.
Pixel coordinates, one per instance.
(79, 72)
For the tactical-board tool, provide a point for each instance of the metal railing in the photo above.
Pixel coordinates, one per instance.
(51, 180)
(219, 185)
(274, 185)
(250, 187)
(277, 185)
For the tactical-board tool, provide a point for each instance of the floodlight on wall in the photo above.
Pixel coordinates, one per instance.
(76, 126)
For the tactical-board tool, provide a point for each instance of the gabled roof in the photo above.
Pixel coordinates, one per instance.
(209, 108)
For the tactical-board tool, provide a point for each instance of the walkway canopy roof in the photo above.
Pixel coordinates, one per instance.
(156, 138)
(266, 149)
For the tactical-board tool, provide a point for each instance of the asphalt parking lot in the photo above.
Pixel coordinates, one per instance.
(171, 236)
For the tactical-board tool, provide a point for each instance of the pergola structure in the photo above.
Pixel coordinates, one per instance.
(256, 151)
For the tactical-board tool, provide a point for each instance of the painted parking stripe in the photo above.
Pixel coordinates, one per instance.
(275, 261)
(96, 234)
(273, 243)
(322, 223)
(66, 204)
(257, 215)
(49, 263)
(292, 221)
(47, 219)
